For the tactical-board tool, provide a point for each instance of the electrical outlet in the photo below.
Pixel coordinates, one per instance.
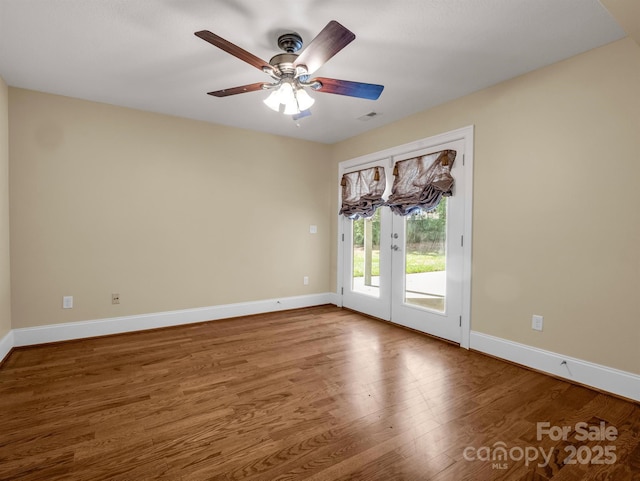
(305, 280)
(67, 302)
(115, 298)
(537, 322)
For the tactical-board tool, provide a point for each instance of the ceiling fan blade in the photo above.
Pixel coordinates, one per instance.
(346, 87)
(233, 49)
(238, 90)
(333, 38)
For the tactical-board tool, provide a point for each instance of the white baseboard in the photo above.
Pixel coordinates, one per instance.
(335, 299)
(607, 379)
(6, 344)
(83, 329)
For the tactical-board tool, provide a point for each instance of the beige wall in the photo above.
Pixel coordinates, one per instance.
(627, 14)
(106, 199)
(5, 280)
(556, 223)
(169, 213)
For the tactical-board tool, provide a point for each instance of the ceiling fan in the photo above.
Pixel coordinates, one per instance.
(292, 72)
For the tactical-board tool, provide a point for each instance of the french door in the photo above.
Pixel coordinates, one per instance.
(409, 270)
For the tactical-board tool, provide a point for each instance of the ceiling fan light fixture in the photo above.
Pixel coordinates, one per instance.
(291, 108)
(287, 93)
(273, 101)
(289, 99)
(283, 95)
(305, 101)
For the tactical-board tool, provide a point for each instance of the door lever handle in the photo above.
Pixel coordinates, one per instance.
(394, 247)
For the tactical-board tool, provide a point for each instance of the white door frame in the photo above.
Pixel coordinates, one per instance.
(466, 134)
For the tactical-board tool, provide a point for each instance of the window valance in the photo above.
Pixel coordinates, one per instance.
(362, 192)
(420, 182)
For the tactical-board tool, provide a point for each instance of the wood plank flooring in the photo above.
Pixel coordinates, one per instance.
(315, 394)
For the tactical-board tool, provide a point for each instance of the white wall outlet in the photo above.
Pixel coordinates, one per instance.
(313, 229)
(67, 302)
(115, 298)
(305, 280)
(537, 322)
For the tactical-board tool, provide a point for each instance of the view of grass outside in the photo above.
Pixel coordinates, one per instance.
(416, 262)
(425, 238)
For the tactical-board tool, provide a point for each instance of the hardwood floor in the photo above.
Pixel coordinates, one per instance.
(315, 394)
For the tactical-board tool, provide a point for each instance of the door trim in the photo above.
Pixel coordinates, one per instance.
(466, 134)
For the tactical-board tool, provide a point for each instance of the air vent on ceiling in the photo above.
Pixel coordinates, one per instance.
(368, 116)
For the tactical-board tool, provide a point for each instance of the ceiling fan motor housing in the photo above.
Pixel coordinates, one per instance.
(290, 42)
(284, 63)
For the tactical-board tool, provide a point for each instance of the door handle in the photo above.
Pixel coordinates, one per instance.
(394, 247)
(395, 236)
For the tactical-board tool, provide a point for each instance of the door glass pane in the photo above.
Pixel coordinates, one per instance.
(366, 255)
(425, 258)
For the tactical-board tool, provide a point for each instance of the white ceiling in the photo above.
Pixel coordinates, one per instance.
(143, 54)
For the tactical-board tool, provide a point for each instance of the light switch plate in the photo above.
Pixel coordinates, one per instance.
(537, 322)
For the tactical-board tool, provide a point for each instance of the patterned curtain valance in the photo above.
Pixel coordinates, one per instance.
(362, 192)
(420, 182)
